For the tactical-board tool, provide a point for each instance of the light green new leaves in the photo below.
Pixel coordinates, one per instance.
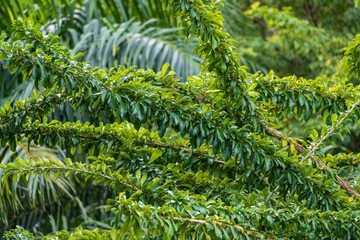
(155, 155)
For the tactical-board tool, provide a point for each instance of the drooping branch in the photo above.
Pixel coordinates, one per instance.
(304, 97)
(108, 136)
(99, 173)
(218, 215)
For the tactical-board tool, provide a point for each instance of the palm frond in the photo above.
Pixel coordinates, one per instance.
(118, 11)
(12, 86)
(135, 44)
(24, 199)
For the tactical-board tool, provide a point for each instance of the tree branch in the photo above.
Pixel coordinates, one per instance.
(342, 182)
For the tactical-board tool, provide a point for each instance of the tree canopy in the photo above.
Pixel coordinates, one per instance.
(113, 128)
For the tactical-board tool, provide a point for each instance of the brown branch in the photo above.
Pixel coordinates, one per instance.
(299, 148)
(272, 193)
(263, 28)
(311, 11)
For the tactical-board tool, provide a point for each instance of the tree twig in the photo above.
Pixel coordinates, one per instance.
(299, 148)
(331, 130)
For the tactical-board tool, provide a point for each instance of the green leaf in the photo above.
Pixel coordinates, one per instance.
(302, 100)
(163, 70)
(138, 174)
(334, 118)
(156, 153)
(72, 150)
(218, 233)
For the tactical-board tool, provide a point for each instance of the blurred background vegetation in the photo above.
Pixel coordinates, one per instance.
(303, 38)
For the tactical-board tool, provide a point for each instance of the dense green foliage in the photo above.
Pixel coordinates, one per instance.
(94, 150)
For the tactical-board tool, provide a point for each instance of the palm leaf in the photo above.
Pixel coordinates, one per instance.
(132, 43)
(23, 200)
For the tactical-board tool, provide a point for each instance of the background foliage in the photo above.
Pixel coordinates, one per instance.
(138, 120)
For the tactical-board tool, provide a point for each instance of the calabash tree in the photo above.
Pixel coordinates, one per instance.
(159, 158)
